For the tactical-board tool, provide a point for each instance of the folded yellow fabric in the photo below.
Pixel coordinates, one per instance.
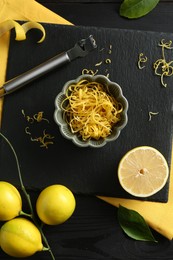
(158, 215)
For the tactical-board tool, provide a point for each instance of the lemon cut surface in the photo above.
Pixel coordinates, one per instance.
(143, 171)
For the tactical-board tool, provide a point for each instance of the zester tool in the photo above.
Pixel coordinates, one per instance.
(80, 49)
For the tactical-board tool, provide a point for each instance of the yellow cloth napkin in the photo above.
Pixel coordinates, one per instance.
(158, 215)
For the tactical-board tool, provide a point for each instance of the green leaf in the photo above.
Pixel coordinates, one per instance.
(137, 8)
(134, 225)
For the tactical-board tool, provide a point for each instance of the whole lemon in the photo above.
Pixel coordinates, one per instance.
(55, 204)
(20, 238)
(10, 201)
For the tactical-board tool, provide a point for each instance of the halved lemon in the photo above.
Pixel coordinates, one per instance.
(143, 171)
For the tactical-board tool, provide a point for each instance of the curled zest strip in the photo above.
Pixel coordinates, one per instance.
(163, 68)
(107, 61)
(27, 130)
(21, 30)
(10, 24)
(34, 25)
(39, 117)
(43, 140)
(141, 60)
(152, 114)
(90, 72)
(166, 45)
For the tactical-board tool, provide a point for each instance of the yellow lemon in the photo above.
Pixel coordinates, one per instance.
(143, 171)
(20, 238)
(55, 204)
(10, 201)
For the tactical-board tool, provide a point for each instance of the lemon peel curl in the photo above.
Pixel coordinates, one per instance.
(21, 30)
(34, 25)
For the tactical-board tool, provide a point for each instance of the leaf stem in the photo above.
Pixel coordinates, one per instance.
(32, 215)
(22, 213)
(19, 174)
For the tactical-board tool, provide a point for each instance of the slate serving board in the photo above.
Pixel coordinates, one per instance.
(85, 170)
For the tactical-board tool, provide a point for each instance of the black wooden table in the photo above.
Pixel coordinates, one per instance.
(93, 231)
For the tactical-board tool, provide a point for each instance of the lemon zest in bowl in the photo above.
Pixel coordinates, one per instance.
(90, 110)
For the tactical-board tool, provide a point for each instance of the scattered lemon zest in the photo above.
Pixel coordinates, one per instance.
(42, 139)
(107, 61)
(39, 117)
(99, 63)
(90, 72)
(152, 114)
(110, 49)
(166, 45)
(163, 68)
(141, 59)
(27, 130)
(23, 112)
